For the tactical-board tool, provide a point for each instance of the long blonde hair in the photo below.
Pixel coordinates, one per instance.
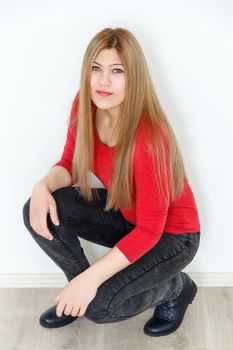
(140, 101)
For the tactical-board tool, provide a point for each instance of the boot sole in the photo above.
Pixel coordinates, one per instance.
(191, 297)
(58, 325)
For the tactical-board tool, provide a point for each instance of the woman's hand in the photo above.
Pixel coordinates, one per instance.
(42, 203)
(76, 296)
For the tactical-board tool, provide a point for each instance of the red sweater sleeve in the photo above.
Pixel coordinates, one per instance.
(151, 213)
(68, 149)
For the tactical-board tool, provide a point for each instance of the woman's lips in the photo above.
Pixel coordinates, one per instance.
(104, 93)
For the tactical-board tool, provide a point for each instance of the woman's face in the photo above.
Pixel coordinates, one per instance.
(107, 75)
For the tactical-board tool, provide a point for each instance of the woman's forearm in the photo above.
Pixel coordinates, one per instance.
(111, 263)
(56, 178)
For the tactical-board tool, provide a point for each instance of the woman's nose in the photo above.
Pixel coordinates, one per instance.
(104, 78)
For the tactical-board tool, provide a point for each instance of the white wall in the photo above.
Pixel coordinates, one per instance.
(188, 47)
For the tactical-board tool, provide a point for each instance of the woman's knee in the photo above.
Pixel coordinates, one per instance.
(25, 211)
(58, 197)
(26, 218)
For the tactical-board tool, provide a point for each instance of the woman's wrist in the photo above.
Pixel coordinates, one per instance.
(41, 185)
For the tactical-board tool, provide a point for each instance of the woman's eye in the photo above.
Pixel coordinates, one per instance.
(94, 67)
(119, 70)
(115, 69)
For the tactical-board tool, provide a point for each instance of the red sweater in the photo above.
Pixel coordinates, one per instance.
(150, 216)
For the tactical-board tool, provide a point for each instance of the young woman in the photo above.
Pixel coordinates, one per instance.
(146, 212)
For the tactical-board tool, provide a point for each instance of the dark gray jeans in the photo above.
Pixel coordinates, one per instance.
(152, 279)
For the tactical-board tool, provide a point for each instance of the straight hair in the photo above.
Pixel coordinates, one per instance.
(140, 104)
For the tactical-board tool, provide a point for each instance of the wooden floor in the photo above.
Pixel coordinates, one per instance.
(207, 324)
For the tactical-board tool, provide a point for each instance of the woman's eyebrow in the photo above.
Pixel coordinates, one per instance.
(114, 64)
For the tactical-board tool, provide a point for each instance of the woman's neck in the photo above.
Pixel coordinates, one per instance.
(108, 118)
(105, 128)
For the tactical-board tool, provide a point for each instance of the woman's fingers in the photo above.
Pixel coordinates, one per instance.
(42, 203)
(53, 213)
(43, 231)
(59, 309)
(75, 312)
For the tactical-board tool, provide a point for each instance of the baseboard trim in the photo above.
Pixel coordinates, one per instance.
(56, 280)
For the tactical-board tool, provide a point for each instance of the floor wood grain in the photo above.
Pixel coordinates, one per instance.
(207, 325)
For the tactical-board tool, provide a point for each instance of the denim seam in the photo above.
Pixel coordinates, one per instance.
(135, 279)
(64, 245)
(68, 250)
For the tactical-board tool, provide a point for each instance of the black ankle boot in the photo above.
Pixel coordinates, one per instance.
(49, 318)
(168, 316)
